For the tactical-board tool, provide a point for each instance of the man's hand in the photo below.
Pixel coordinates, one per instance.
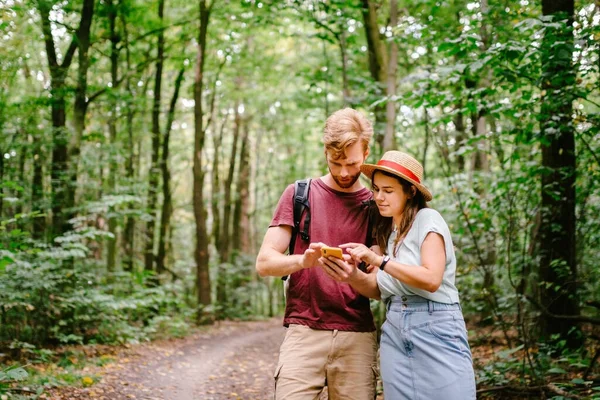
(311, 256)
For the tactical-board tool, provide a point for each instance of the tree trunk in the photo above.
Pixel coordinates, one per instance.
(377, 63)
(558, 269)
(34, 141)
(426, 144)
(225, 240)
(112, 129)
(244, 185)
(37, 189)
(154, 167)
(241, 228)
(478, 119)
(461, 137)
(1, 180)
(389, 140)
(58, 89)
(480, 168)
(224, 235)
(167, 208)
(80, 107)
(254, 241)
(216, 205)
(240, 218)
(479, 160)
(23, 157)
(216, 185)
(129, 234)
(201, 252)
(327, 82)
(344, 57)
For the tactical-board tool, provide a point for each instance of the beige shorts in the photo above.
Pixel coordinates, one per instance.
(309, 360)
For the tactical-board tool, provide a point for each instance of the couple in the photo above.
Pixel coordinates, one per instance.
(330, 338)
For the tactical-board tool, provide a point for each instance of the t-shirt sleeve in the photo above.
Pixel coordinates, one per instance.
(385, 288)
(284, 213)
(432, 221)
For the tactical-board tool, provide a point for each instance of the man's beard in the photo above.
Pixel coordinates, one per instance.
(347, 184)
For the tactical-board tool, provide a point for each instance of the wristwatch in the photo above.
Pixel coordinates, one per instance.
(386, 258)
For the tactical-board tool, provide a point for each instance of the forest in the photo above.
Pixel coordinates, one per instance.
(144, 145)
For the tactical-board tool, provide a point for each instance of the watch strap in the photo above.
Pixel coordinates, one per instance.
(386, 258)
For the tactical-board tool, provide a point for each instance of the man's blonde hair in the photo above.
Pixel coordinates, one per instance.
(344, 128)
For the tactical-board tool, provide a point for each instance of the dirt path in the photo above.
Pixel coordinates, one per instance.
(234, 360)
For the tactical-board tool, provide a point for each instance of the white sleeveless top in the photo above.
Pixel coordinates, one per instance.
(409, 253)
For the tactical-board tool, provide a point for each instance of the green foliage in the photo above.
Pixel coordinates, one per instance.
(53, 294)
(497, 372)
(10, 375)
(241, 289)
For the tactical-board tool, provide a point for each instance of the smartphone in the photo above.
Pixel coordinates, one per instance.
(332, 252)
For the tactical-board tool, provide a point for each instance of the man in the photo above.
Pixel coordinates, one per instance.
(330, 340)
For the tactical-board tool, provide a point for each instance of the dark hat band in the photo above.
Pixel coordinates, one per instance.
(399, 168)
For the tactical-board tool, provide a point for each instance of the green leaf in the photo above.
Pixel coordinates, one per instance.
(446, 46)
(556, 370)
(5, 261)
(506, 353)
(17, 374)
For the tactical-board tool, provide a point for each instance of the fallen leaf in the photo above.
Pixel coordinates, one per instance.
(87, 381)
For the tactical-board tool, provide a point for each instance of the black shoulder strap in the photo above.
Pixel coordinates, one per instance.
(371, 212)
(301, 203)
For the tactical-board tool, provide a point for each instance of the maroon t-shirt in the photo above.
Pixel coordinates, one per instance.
(314, 299)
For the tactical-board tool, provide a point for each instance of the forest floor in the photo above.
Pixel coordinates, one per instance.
(225, 361)
(230, 360)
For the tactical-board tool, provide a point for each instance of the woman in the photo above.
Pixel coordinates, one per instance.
(424, 349)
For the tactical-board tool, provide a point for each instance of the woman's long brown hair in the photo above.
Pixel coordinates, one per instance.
(384, 225)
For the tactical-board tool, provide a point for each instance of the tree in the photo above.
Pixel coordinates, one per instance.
(377, 62)
(201, 251)
(167, 207)
(557, 238)
(224, 241)
(61, 170)
(389, 139)
(241, 230)
(112, 13)
(153, 174)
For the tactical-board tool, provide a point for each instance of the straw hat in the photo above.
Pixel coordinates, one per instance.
(401, 165)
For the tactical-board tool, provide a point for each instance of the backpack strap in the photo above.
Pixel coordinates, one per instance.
(301, 203)
(371, 212)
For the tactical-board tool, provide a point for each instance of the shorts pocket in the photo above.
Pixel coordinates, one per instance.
(277, 371)
(375, 369)
(275, 379)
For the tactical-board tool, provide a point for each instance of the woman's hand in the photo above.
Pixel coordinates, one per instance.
(347, 271)
(341, 270)
(359, 252)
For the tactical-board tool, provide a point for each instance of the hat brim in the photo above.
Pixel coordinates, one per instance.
(369, 170)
